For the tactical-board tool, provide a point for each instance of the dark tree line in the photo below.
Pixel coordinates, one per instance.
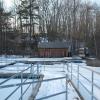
(63, 20)
(72, 20)
(6, 36)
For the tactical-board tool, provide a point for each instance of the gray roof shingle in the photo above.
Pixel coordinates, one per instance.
(54, 45)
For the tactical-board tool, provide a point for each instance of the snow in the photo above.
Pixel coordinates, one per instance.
(46, 88)
(56, 86)
(52, 71)
(5, 92)
(18, 67)
(87, 74)
(15, 68)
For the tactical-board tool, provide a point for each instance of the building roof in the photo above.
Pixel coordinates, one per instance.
(57, 44)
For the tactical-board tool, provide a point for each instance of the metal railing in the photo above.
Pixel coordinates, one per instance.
(34, 70)
(31, 71)
(29, 83)
(76, 76)
(73, 74)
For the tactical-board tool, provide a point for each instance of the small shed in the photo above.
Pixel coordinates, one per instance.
(53, 49)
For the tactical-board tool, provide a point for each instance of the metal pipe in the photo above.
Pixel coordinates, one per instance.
(21, 86)
(78, 78)
(71, 71)
(92, 89)
(66, 87)
(46, 97)
(6, 65)
(14, 76)
(37, 68)
(25, 91)
(90, 92)
(14, 85)
(16, 89)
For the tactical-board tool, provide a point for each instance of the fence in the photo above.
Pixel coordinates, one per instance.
(73, 74)
(29, 73)
(32, 70)
(83, 77)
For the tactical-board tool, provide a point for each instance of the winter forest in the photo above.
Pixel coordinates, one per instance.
(49, 49)
(29, 22)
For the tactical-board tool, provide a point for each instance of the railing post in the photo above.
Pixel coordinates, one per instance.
(31, 69)
(66, 87)
(92, 85)
(21, 86)
(44, 65)
(37, 68)
(67, 67)
(78, 77)
(71, 70)
(63, 67)
(32, 73)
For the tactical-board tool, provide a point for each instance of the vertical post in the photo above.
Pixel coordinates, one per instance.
(71, 70)
(21, 86)
(92, 85)
(32, 74)
(37, 68)
(63, 67)
(78, 77)
(67, 67)
(68, 70)
(44, 65)
(32, 70)
(66, 87)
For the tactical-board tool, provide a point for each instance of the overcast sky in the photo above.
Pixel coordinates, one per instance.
(8, 3)
(98, 1)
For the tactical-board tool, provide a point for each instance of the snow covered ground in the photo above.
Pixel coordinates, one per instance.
(47, 88)
(5, 92)
(53, 71)
(86, 73)
(56, 86)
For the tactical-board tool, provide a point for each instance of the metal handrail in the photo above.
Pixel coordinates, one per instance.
(91, 70)
(6, 65)
(24, 92)
(27, 83)
(23, 83)
(19, 84)
(85, 77)
(15, 89)
(87, 90)
(79, 74)
(70, 61)
(14, 76)
(46, 97)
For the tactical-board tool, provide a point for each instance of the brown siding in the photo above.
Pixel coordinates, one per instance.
(53, 52)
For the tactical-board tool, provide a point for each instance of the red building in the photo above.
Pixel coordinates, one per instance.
(53, 49)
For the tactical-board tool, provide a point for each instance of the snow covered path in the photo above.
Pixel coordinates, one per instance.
(56, 86)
